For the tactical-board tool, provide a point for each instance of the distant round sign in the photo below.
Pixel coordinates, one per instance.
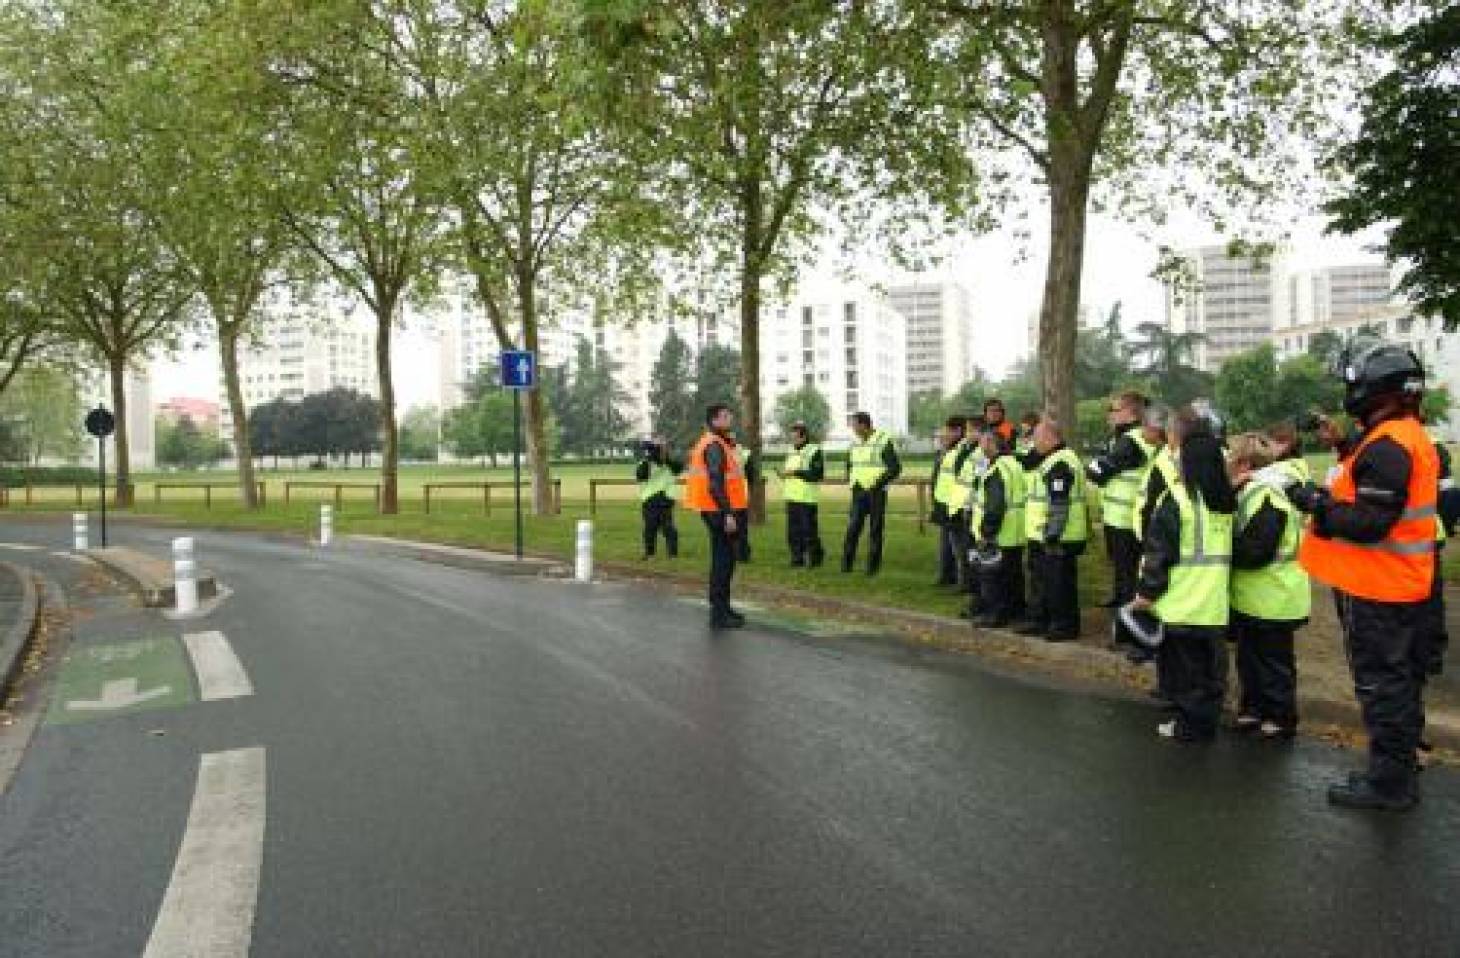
(100, 422)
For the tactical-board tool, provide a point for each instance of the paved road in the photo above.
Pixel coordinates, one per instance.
(461, 764)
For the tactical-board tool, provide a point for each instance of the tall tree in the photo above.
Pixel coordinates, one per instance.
(1167, 358)
(718, 374)
(775, 112)
(1401, 166)
(366, 198)
(546, 194)
(110, 284)
(216, 181)
(44, 409)
(805, 405)
(1245, 389)
(1096, 97)
(672, 412)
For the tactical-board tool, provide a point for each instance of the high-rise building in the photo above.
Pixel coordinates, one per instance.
(308, 348)
(141, 428)
(939, 335)
(1233, 306)
(1334, 294)
(846, 341)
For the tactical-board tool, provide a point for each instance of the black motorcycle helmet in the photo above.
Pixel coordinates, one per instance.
(1373, 370)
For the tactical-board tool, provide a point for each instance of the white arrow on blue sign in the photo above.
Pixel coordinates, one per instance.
(519, 370)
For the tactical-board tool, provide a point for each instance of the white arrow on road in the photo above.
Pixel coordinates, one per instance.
(118, 694)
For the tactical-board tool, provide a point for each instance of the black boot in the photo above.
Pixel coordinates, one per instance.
(1360, 792)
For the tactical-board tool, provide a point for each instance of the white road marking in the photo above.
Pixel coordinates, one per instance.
(19, 547)
(209, 906)
(84, 560)
(220, 674)
(117, 694)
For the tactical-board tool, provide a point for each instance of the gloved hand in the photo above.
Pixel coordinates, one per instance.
(1308, 498)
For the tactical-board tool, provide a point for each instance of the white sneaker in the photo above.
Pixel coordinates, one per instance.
(1167, 729)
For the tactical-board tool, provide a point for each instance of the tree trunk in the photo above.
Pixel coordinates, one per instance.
(751, 268)
(123, 450)
(238, 412)
(1069, 192)
(390, 440)
(537, 444)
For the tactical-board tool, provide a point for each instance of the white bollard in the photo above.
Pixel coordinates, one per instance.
(583, 569)
(326, 524)
(78, 531)
(184, 575)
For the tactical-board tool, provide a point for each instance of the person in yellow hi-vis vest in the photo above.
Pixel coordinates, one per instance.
(998, 529)
(801, 476)
(1117, 471)
(1185, 580)
(948, 500)
(656, 475)
(1056, 528)
(872, 465)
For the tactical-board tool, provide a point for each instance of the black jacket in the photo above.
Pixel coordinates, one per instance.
(647, 463)
(1059, 484)
(1381, 482)
(891, 466)
(995, 504)
(1161, 549)
(715, 464)
(1256, 544)
(815, 470)
(1121, 454)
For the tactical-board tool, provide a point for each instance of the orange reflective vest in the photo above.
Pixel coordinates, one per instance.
(697, 478)
(1006, 430)
(1401, 567)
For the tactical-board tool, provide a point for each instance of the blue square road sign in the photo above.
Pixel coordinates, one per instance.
(519, 369)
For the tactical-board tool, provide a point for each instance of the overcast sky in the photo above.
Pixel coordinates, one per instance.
(1003, 273)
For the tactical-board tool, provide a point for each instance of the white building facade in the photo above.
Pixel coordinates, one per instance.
(1233, 306)
(846, 341)
(939, 318)
(96, 391)
(306, 348)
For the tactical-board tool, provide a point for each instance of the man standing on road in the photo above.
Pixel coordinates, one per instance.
(801, 476)
(655, 475)
(1056, 527)
(1372, 538)
(1118, 471)
(873, 466)
(715, 488)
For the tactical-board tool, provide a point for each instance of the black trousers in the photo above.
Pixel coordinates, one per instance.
(1001, 588)
(1124, 551)
(722, 563)
(658, 514)
(1435, 633)
(1191, 677)
(803, 534)
(947, 555)
(1389, 658)
(1054, 587)
(742, 535)
(960, 540)
(869, 508)
(1267, 671)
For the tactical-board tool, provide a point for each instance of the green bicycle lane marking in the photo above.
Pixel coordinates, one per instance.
(121, 678)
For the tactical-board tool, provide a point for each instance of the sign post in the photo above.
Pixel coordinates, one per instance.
(519, 374)
(100, 423)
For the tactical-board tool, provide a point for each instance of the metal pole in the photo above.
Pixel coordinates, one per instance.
(517, 462)
(101, 483)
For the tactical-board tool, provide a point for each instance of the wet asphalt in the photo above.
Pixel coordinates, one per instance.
(468, 764)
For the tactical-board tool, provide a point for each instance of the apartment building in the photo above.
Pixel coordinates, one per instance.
(939, 318)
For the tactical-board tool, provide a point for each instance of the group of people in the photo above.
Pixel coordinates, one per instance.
(1210, 538)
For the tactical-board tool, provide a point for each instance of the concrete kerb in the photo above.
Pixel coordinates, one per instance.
(150, 578)
(466, 558)
(17, 636)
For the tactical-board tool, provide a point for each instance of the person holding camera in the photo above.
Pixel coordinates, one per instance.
(655, 475)
(1271, 594)
(801, 476)
(1372, 538)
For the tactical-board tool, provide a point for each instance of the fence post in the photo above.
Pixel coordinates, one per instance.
(287, 484)
(157, 494)
(593, 497)
(922, 507)
(184, 575)
(78, 531)
(208, 496)
(557, 497)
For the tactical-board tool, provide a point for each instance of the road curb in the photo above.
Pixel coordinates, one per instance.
(15, 639)
(466, 558)
(149, 577)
